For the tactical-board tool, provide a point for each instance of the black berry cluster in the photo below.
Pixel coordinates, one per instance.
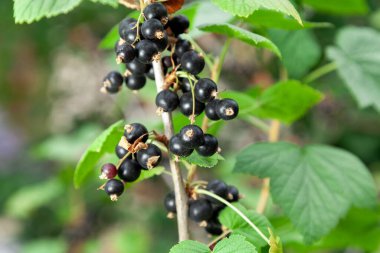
(204, 209)
(135, 154)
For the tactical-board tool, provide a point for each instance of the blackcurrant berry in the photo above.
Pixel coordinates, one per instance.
(108, 171)
(129, 33)
(209, 147)
(150, 72)
(214, 227)
(135, 131)
(121, 152)
(167, 62)
(125, 26)
(169, 203)
(192, 136)
(219, 188)
(135, 82)
(176, 147)
(124, 52)
(167, 100)
(114, 188)
(186, 105)
(211, 109)
(156, 11)
(179, 24)
(129, 170)
(200, 210)
(152, 29)
(233, 194)
(192, 62)
(185, 84)
(136, 67)
(181, 47)
(205, 90)
(147, 51)
(161, 44)
(150, 157)
(227, 109)
(112, 82)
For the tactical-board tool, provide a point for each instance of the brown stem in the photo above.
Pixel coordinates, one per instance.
(179, 189)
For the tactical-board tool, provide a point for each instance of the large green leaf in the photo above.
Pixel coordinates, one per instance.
(236, 32)
(190, 247)
(357, 54)
(233, 244)
(244, 8)
(300, 50)
(314, 185)
(339, 7)
(105, 143)
(112, 3)
(27, 11)
(239, 226)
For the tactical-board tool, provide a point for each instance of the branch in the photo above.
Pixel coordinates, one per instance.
(179, 189)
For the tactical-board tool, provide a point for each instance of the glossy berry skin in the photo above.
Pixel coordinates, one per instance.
(150, 72)
(113, 81)
(185, 85)
(114, 188)
(176, 147)
(135, 131)
(181, 47)
(205, 90)
(129, 170)
(186, 105)
(125, 26)
(108, 171)
(192, 62)
(156, 11)
(167, 62)
(214, 227)
(169, 203)
(129, 34)
(191, 136)
(120, 151)
(179, 24)
(162, 43)
(150, 157)
(136, 67)
(227, 109)
(152, 29)
(200, 210)
(167, 100)
(209, 147)
(219, 188)
(233, 194)
(146, 51)
(124, 52)
(135, 82)
(211, 108)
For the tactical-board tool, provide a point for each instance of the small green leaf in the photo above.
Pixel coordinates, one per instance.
(239, 226)
(112, 3)
(337, 7)
(275, 244)
(189, 246)
(203, 161)
(236, 32)
(105, 143)
(27, 11)
(314, 185)
(233, 244)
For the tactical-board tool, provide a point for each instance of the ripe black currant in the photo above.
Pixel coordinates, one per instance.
(192, 62)
(162, 43)
(147, 51)
(179, 24)
(129, 170)
(181, 47)
(136, 67)
(150, 72)
(219, 188)
(214, 227)
(156, 11)
(185, 85)
(205, 90)
(125, 26)
(186, 105)
(211, 108)
(124, 52)
(191, 136)
(209, 147)
(113, 81)
(150, 157)
(120, 151)
(176, 147)
(135, 82)
(200, 210)
(169, 203)
(129, 33)
(108, 171)
(167, 100)
(233, 194)
(167, 62)
(135, 131)
(114, 188)
(227, 109)
(152, 29)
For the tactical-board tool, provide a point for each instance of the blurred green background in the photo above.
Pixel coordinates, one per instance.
(51, 110)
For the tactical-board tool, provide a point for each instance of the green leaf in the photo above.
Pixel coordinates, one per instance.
(189, 246)
(203, 161)
(27, 11)
(109, 41)
(357, 54)
(239, 226)
(244, 8)
(314, 185)
(45, 246)
(233, 244)
(337, 7)
(105, 143)
(275, 245)
(146, 174)
(248, 37)
(112, 3)
(300, 50)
